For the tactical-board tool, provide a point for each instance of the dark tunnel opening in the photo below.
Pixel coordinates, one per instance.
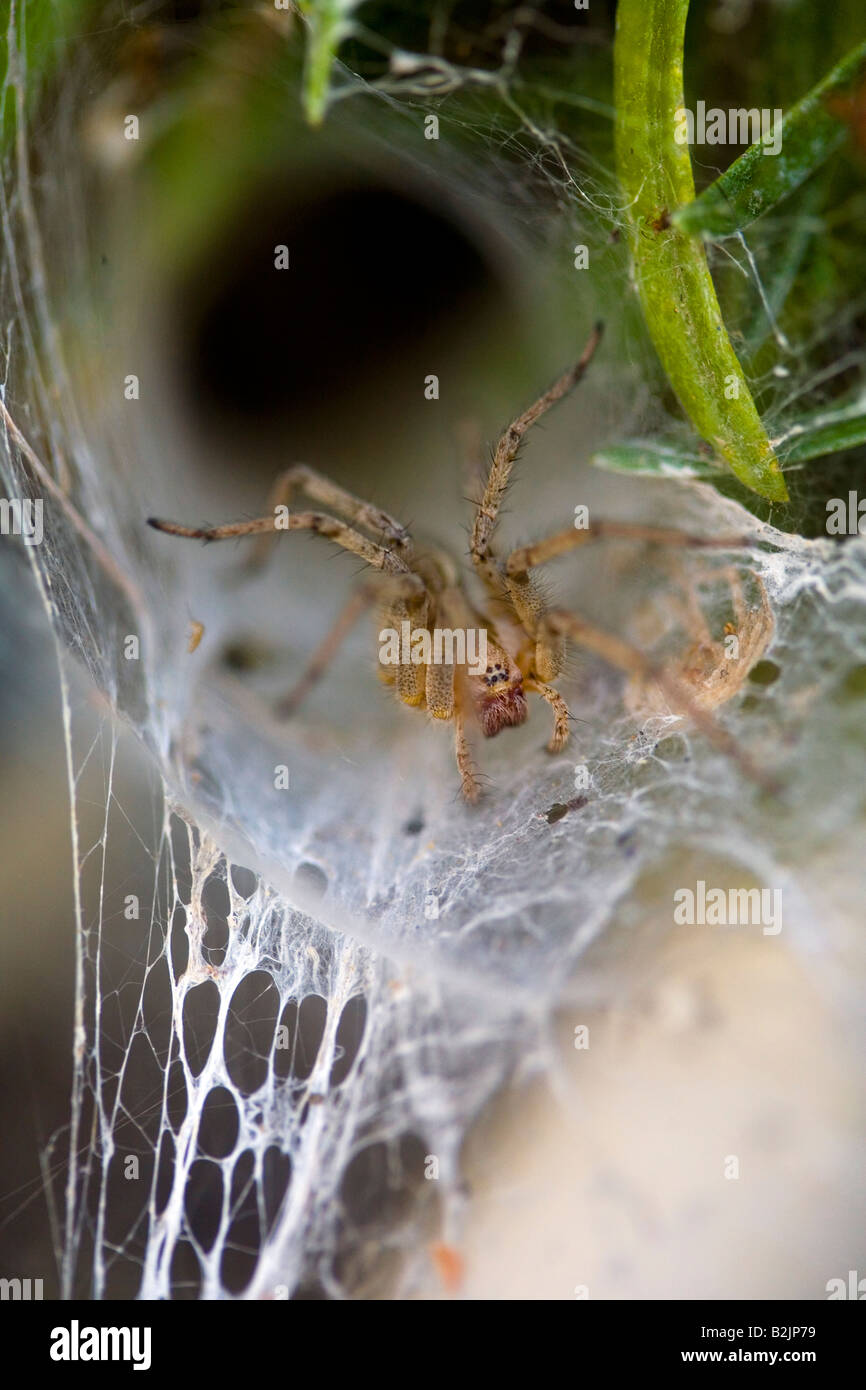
(377, 285)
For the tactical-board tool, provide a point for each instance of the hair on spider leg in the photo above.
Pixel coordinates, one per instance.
(574, 670)
(484, 783)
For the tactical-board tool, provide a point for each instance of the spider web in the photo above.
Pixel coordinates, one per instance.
(322, 987)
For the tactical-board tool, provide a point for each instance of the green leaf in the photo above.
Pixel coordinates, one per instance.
(655, 459)
(810, 436)
(811, 131)
(825, 431)
(676, 290)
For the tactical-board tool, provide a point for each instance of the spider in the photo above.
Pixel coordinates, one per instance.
(525, 641)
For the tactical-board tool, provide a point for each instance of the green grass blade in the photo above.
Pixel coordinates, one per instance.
(327, 26)
(676, 290)
(825, 431)
(811, 131)
(814, 435)
(37, 41)
(654, 458)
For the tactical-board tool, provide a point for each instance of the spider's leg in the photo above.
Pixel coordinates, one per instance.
(525, 596)
(738, 598)
(561, 716)
(407, 676)
(439, 690)
(528, 603)
(527, 557)
(487, 513)
(560, 623)
(379, 557)
(326, 493)
(324, 654)
(468, 781)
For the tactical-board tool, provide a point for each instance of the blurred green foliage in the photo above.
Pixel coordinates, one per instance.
(33, 39)
(527, 91)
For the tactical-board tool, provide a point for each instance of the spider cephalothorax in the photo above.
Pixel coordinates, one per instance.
(441, 650)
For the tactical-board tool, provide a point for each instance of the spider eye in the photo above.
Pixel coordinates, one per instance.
(494, 674)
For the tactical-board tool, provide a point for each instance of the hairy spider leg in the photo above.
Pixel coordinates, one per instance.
(625, 657)
(379, 557)
(318, 488)
(527, 600)
(489, 569)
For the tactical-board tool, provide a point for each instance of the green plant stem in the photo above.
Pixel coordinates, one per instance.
(676, 290)
(327, 24)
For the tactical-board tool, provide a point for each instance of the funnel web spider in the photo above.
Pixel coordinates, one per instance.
(525, 641)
